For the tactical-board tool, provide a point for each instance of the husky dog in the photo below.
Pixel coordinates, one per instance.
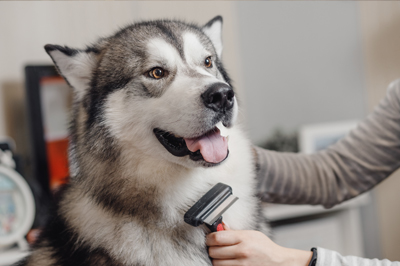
(152, 107)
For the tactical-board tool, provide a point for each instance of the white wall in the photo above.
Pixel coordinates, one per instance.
(302, 64)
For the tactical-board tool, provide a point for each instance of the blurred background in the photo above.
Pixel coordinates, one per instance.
(302, 70)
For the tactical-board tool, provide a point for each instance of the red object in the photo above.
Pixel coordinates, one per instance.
(33, 235)
(57, 156)
(220, 227)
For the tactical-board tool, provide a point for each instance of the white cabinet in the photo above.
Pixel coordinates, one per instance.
(304, 227)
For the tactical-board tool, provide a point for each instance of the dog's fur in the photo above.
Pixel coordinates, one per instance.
(128, 194)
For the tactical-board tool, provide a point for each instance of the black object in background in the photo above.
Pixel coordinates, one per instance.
(40, 173)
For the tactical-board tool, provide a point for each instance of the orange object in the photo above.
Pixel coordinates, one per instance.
(57, 158)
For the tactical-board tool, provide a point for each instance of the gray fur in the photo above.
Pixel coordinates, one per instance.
(127, 194)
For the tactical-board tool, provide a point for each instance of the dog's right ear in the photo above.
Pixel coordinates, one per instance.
(213, 29)
(76, 66)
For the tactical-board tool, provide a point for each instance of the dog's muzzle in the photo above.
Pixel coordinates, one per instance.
(209, 146)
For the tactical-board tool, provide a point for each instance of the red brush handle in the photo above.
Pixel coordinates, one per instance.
(220, 227)
(217, 225)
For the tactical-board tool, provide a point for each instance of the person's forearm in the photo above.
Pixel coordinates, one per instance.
(355, 164)
(297, 257)
(232, 247)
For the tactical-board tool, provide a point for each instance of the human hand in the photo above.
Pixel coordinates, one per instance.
(253, 248)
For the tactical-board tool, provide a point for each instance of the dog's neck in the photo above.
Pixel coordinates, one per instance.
(141, 185)
(127, 235)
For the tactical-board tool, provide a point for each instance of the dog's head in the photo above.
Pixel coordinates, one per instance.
(157, 88)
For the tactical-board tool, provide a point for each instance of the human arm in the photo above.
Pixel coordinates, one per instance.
(355, 164)
(240, 248)
(236, 248)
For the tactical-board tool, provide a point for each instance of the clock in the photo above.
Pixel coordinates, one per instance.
(17, 206)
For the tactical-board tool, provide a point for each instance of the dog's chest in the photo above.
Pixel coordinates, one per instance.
(149, 245)
(169, 242)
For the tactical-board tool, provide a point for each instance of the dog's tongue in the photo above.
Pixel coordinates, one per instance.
(213, 147)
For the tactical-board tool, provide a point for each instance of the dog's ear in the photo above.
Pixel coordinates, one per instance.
(76, 66)
(213, 29)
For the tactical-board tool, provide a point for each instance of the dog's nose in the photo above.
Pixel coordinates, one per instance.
(219, 97)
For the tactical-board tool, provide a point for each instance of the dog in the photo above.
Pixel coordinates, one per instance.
(150, 105)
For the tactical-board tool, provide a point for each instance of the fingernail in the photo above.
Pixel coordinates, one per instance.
(226, 226)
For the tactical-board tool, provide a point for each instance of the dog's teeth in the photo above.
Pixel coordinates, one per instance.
(223, 131)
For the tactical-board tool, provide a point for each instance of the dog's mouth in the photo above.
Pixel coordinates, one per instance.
(211, 147)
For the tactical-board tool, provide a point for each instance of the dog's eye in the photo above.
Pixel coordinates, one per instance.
(157, 73)
(208, 62)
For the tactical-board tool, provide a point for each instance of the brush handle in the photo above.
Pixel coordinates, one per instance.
(216, 226)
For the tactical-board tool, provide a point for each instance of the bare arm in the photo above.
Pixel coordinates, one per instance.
(355, 164)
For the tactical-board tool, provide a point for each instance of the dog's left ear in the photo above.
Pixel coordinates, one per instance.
(76, 66)
(213, 29)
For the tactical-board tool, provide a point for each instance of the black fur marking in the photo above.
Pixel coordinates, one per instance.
(146, 93)
(92, 50)
(224, 73)
(99, 92)
(49, 48)
(63, 242)
(64, 49)
(69, 51)
(172, 38)
(100, 144)
(67, 251)
(209, 24)
(122, 199)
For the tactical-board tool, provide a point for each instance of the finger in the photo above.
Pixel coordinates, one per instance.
(226, 263)
(223, 238)
(226, 226)
(223, 252)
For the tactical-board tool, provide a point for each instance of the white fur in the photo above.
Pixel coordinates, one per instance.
(162, 54)
(125, 238)
(214, 32)
(76, 69)
(195, 52)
